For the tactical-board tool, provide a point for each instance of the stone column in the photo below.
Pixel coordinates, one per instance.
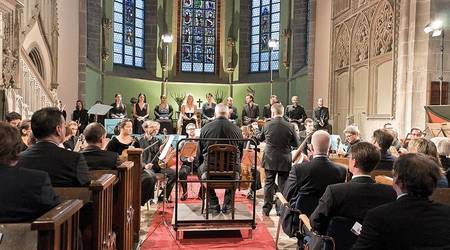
(1, 47)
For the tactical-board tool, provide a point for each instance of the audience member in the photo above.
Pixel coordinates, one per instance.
(66, 168)
(25, 133)
(14, 119)
(71, 137)
(25, 194)
(353, 199)
(307, 181)
(412, 221)
(382, 139)
(96, 157)
(443, 148)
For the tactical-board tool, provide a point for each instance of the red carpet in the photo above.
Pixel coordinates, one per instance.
(160, 238)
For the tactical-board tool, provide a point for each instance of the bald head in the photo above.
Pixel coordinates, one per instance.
(221, 110)
(321, 142)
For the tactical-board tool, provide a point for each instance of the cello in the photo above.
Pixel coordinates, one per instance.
(248, 159)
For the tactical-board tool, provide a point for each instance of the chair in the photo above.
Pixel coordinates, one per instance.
(223, 171)
(441, 195)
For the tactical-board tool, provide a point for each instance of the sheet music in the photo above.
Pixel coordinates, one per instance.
(166, 147)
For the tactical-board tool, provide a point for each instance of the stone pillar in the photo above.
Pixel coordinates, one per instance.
(1, 47)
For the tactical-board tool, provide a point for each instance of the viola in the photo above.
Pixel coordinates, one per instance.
(298, 155)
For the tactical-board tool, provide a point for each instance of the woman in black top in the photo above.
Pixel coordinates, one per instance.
(163, 114)
(119, 110)
(80, 115)
(140, 113)
(124, 140)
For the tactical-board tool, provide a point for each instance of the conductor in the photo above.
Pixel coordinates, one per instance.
(220, 127)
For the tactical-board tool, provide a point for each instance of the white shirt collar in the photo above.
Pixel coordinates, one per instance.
(361, 175)
(401, 195)
(320, 155)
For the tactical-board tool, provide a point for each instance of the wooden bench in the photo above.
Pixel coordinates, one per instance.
(99, 194)
(123, 203)
(382, 179)
(135, 156)
(55, 230)
(387, 173)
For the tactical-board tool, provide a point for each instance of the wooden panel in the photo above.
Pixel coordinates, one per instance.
(384, 89)
(434, 93)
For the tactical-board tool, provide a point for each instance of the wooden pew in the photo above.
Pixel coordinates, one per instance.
(135, 156)
(100, 193)
(123, 203)
(55, 230)
(382, 179)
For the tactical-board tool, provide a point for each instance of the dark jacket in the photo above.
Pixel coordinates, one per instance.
(307, 182)
(250, 114)
(98, 159)
(296, 113)
(321, 114)
(65, 168)
(267, 113)
(25, 194)
(386, 161)
(82, 117)
(351, 200)
(279, 136)
(407, 223)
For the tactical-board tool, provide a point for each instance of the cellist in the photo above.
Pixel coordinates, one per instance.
(248, 133)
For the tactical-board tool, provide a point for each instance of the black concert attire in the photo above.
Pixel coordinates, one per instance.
(97, 118)
(187, 167)
(81, 117)
(267, 113)
(137, 125)
(23, 146)
(233, 113)
(321, 115)
(115, 145)
(98, 159)
(25, 194)
(250, 113)
(207, 112)
(296, 113)
(70, 143)
(348, 146)
(220, 127)
(151, 153)
(386, 161)
(189, 113)
(163, 115)
(118, 111)
(303, 135)
(279, 136)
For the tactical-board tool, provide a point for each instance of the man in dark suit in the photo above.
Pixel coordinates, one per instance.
(250, 112)
(321, 116)
(25, 194)
(353, 199)
(307, 181)
(96, 157)
(295, 112)
(412, 221)
(279, 136)
(266, 110)
(382, 139)
(220, 127)
(66, 168)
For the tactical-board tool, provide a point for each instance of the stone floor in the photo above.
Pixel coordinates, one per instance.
(271, 223)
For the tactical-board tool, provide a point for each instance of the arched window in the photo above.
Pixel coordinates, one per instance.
(265, 25)
(198, 36)
(129, 32)
(36, 58)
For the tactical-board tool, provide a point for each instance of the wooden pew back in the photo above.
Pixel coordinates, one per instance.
(100, 193)
(135, 156)
(55, 230)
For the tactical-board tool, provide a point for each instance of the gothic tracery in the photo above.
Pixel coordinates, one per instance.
(360, 42)
(342, 51)
(383, 31)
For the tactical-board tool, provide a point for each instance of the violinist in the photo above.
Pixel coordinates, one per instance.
(71, 137)
(303, 135)
(125, 139)
(248, 133)
(152, 147)
(189, 164)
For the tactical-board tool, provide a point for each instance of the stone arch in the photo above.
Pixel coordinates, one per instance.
(383, 29)
(342, 47)
(36, 59)
(360, 39)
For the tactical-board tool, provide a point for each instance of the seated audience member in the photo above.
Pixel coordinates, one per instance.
(96, 157)
(25, 194)
(71, 137)
(443, 148)
(353, 199)
(427, 147)
(382, 139)
(352, 137)
(66, 168)
(307, 181)
(14, 119)
(412, 221)
(25, 133)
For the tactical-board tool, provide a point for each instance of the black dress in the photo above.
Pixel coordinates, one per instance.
(118, 111)
(82, 117)
(137, 125)
(116, 146)
(163, 115)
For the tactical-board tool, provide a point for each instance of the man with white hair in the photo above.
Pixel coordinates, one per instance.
(220, 127)
(279, 136)
(307, 181)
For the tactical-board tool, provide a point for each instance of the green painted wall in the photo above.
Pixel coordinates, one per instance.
(93, 87)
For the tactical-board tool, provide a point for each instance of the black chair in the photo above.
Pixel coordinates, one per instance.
(222, 168)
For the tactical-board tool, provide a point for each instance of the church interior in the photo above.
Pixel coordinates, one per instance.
(179, 91)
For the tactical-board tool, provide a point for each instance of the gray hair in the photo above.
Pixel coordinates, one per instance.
(321, 142)
(352, 129)
(277, 109)
(443, 147)
(221, 110)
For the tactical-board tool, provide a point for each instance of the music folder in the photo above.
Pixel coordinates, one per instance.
(99, 109)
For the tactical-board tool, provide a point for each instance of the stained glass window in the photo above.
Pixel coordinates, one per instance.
(198, 35)
(129, 32)
(265, 25)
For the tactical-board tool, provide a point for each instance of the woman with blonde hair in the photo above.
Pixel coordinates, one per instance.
(187, 114)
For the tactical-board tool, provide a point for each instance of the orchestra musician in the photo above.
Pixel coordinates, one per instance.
(188, 164)
(140, 113)
(71, 137)
(321, 116)
(119, 110)
(208, 109)
(295, 112)
(303, 135)
(163, 115)
(279, 136)
(97, 118)
(250, 112)
(266, 110)
(232, 110)
(152, 147)
(80, 116)
(249, 133)
(188, 110)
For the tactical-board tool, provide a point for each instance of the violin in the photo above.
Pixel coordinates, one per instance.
(298, 155)
(80, 143)
(167, 158)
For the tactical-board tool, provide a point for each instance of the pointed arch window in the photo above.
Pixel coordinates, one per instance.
(198, 36)
(129, 32)
(265, 25)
